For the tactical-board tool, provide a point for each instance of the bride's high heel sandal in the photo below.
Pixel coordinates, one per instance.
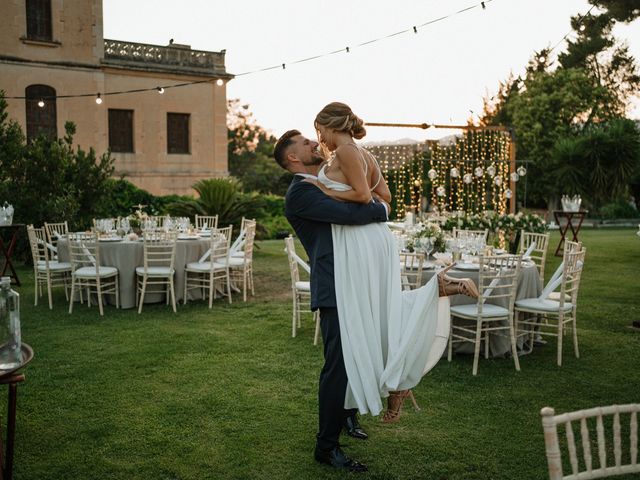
(394, 405)
(455, 286)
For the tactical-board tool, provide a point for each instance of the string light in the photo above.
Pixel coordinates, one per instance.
(99, 100)
(282, 66)
(582, 28)
(41, 103)
(160, 90)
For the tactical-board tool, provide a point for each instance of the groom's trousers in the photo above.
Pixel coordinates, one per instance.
(333, 382)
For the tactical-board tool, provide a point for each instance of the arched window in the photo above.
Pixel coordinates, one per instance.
(41, 119)
(39, 20)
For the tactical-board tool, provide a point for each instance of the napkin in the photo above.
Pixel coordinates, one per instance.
(527, 254)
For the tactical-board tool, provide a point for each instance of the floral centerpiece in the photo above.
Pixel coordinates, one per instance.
(503, 229)
(426, 230)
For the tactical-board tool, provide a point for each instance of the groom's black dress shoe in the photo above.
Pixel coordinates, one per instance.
(353, 428)
(337, 459)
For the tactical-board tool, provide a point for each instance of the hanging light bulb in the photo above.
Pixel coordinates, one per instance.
(467, 178)
(582, 28)
(455, 173)
(432, 174)
(219, 82)
(508, 193)
(514, 177)
(522, 171)
(99, 100)
(160, 90)
(498, 180)
(440, 191)
(478, 171)
(41, 103)
(542, 58)
(491, 170)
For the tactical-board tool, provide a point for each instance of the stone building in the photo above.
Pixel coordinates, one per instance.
(163, 140)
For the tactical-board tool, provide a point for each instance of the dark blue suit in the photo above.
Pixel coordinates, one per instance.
(311, 213)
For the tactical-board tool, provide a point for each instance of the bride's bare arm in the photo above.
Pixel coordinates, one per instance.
(382, 189)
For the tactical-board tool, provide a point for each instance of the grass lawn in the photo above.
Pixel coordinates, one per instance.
(228, 394)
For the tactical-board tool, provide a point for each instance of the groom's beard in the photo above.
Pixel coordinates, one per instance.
(314, 161)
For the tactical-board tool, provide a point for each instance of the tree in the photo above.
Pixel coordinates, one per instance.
(605, 59)
(599, 161)
(50, 179)
(251, 152)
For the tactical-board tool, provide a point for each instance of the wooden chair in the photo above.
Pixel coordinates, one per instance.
(498, 280)
(209, 222)
(301, 290)
(212, 269)
(55, 231)
(411, 265)
(242, 267)
(237, 247)
(84, 252)
(46, 271)
(158, 268)
(536, 245)
(569, 246)
(584, 470)
(549, 317)
(457, 233)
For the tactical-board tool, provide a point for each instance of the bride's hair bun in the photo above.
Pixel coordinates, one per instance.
(339, 117)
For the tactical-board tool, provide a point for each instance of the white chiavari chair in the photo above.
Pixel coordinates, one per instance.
(608, 421)
(87, 273)
(534, 246)
(498, 281)
(159, 267)
(242, 267)
(55, 231)
(550, 317)
(301, 289)
(211, 271)
(206, 222)
(46, 271)
(412, 265)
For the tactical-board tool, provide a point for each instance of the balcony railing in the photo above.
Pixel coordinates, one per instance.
(176, 58)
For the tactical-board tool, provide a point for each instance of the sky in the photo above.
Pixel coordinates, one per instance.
(438, 75)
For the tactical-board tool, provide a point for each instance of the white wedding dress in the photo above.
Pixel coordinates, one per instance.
(390, 337)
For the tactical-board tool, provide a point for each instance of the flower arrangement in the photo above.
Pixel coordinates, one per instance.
(502, 228)
(426, 230)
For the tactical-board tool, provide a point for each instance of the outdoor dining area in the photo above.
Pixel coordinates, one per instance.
(514, 308)
(168, 259)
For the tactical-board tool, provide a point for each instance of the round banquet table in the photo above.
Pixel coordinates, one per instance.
(529, 286)
(126, 255)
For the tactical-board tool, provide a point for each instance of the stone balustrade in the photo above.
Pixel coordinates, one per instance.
(173, 57)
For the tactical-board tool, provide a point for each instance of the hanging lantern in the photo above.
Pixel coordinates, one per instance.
(514, 177)
(432, 174)
(498, 180)
(455, 173)
(478, 171)
(491, 170)
(467, 178)
(522, 171)
(440, 191)
(508, 193)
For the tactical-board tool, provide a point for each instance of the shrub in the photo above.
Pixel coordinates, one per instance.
(276, 226)
(618, 209)
(223, 197)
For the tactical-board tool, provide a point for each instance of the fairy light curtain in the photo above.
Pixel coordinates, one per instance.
(403, 167)
(472, 175)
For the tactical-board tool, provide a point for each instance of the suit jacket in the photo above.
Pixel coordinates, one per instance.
(311, 213)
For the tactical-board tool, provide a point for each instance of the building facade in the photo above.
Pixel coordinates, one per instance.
(163, 140)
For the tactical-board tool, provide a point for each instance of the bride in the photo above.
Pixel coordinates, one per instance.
(390, 338)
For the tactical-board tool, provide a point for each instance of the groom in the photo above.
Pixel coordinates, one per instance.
(311, 213)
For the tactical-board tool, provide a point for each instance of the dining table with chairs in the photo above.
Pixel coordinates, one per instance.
(126, 255)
